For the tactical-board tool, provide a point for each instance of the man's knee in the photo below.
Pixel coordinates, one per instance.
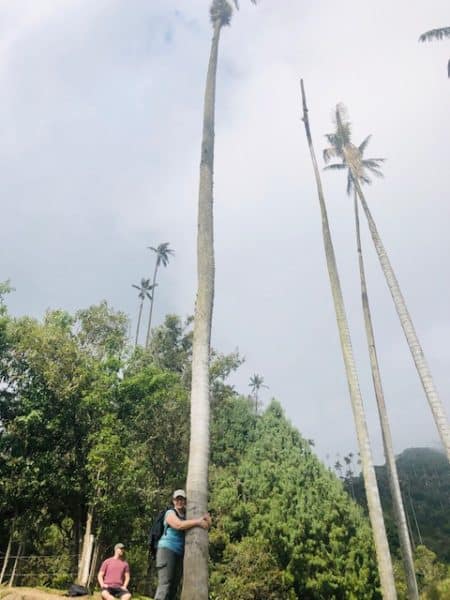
(126, 596)
(106, 595)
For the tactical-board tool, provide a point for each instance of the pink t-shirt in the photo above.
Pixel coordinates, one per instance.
(114, 570)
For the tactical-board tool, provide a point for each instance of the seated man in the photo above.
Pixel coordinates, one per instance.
(114, 576)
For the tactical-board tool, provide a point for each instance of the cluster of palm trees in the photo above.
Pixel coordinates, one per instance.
(147, 288)
(195, 580)
(351, 159)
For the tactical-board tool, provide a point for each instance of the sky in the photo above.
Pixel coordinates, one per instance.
(100, 130)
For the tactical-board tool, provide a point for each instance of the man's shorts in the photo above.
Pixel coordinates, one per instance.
(116, 592)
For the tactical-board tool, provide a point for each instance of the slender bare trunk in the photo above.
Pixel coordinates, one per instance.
(138, 323)
(149, 326)
(6, 559)
(93, 567)
(195, 579)
(399, 511)
(370, 482)
(413, 341)
(16, 562)
(414, 515)
(86, 551)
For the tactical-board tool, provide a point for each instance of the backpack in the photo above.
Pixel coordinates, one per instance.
(77, 590)
(157, 530)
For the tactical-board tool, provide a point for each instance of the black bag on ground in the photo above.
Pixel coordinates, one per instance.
(77, 590)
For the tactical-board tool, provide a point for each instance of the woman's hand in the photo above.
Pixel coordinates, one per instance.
(205, 521)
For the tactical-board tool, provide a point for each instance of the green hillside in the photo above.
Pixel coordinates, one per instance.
(425, 483)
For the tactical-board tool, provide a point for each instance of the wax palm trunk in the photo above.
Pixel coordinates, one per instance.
(408, 327)
(149, 326)
(195, 578)
(399, 511)
(370, 482)
(138, 326)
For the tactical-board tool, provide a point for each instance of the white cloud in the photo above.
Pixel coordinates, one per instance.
(101, 124)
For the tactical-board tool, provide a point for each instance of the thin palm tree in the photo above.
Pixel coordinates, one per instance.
(362, 433)
(342, 148)
(436, 34)
(256, 383)
(163, 252)
(372, 165)
(145, 291)
(195, 579)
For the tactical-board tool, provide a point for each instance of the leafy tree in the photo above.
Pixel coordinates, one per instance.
(171, 346)
(44, 377)
(350, 155)
(284, 528)
(163, 252)
(101, 331)
(195, 580)
(436, 34)
(375, 510)
(337, 140)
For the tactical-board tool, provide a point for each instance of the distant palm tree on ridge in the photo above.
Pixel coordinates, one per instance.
(145, 290)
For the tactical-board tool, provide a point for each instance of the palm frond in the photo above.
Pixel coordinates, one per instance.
(435, 34)
(372, 163)
(349, 183)
(363, 145)
(365, 179)
(331, 138)
(343, 125)
(376, 172)
(329, 153)
(335, 166)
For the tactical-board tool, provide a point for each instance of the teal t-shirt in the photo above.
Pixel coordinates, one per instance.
(172, 539)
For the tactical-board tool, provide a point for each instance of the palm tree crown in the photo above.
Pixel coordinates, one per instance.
(144, 289)
(221, 12)
(436, 34)
(163, 252)
(342, 147)
(256, 383)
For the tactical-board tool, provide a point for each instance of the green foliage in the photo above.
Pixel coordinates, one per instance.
(171, 345)
(5, 289)
(424, 476)
(90, 427)
(281, 509)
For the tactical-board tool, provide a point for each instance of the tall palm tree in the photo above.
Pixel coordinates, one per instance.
(163, 252)
(195, 579)
(145, 289)
(362, 433)
(349, 154)
(373, 166)
(436, 34)
(256, 383)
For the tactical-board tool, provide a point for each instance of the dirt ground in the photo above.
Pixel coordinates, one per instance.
(24, 593)
(28, 593)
